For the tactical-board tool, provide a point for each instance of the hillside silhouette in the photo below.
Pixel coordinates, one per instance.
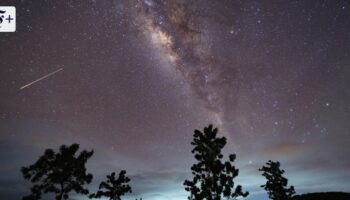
(323, 196)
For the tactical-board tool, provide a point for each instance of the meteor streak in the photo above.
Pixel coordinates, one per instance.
(39, 79)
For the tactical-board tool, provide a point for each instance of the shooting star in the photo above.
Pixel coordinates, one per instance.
(39, 79)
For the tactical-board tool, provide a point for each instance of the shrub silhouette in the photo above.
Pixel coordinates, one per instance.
(113, 188)
(58, 173)
(212, 179)
(276, 184)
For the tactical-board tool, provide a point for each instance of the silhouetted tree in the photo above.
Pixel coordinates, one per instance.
(276, 184)
(212, 179)
(113, 188)
(59, 173)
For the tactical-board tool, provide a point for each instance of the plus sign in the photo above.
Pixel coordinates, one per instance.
(9, 18)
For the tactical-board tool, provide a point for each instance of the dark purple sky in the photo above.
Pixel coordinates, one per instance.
(139, 76)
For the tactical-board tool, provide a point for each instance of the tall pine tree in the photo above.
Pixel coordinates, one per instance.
(114, 187)
(212, 178)
(276, 184)
(59, 173)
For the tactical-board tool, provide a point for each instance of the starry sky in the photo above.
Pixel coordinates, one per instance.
(136, 77)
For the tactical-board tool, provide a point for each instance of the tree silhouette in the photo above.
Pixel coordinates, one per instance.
(212, 179)
(113, 188)
(276, 184)
(58, 173)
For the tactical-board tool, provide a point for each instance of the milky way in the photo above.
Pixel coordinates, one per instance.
(177, 29)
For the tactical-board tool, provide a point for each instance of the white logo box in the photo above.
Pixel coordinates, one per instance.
(7, 19)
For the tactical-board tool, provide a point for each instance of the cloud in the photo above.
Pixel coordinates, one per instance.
(287, 149)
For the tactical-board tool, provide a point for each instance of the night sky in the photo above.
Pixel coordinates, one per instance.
(135, 78)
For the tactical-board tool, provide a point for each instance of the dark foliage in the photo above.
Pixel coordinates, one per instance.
(113, 188)
(276, 184)
(58, 173)
(212, 179)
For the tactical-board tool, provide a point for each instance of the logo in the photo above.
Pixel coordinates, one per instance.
(7, 19)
